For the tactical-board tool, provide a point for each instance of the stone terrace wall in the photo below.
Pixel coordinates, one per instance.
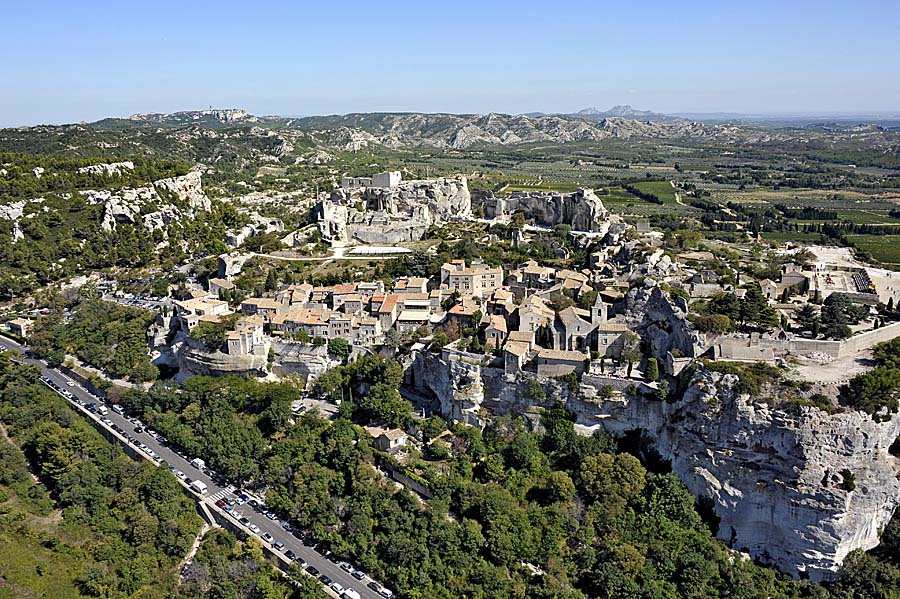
(835, 349)
(866, 340)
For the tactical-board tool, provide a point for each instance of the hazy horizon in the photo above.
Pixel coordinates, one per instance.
(84, 62)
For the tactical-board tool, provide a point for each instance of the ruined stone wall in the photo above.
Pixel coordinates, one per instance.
(379, 215)
(582, 209)
(802, 346)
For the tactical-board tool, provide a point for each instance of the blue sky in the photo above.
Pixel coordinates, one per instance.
(74, 61)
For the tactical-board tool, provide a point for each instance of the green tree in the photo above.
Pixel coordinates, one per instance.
(631, 350)
(651, 373)
(271, 280)
(339, 347)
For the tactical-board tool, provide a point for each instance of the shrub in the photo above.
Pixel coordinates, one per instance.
(849, 481)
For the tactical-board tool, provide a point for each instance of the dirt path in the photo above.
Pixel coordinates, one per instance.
(677, 195)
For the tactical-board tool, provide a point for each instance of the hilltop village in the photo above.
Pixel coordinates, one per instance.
(748, 368)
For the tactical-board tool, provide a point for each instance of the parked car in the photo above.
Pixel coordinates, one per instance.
(337, 588)
(312, 571)
(374, 586)
(290, 555)
(267, 538)
(278, 545)
(325, 580)
(358, 574)
(245, 521)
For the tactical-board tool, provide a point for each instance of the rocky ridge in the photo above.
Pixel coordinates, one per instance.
(129, 205)
(795, 487)
(392, 215)
(582, 209)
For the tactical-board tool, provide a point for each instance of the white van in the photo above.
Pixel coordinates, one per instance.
(118, 409)
(199, 486)
(102, 410)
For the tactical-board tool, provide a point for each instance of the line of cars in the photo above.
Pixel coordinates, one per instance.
(101, 410)
(231, 498)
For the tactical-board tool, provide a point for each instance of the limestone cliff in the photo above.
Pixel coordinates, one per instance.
(780, 481)
(170, 347)
(392, 214)
(154, 206)
(662, 323)
(582, 209)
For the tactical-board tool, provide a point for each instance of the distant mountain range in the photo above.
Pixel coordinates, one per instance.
(623, 111)
(236, 138)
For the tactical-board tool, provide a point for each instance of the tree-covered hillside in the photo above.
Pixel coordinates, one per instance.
(92, 522)
(515, 513)
(51, 230)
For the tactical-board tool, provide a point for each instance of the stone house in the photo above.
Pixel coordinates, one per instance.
(517, 350)
(411, 285)
(769, 289)
(247, 337)
(478, 279)
(496, 331)
(535, 314)
(412, 320)
(190, 312)
(295, 295)
(266, 307)
(464, 311)
(217, 285)
(554, 362)
(389, 440)
(21, 327)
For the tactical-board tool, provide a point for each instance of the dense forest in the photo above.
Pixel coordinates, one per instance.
(515, 513)
(103, 334)
(92, 522)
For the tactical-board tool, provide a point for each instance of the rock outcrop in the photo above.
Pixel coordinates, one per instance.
(109, 169)
(154, 207)
(662, 323)
(796, 488)
(392, 214)
(582, 209)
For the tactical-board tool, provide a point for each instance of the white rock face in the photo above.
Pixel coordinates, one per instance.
(582, 209)
(109, 169)
(377, 215)
(662, 324)
(13, 211)
(776, 477)
(126, 206)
